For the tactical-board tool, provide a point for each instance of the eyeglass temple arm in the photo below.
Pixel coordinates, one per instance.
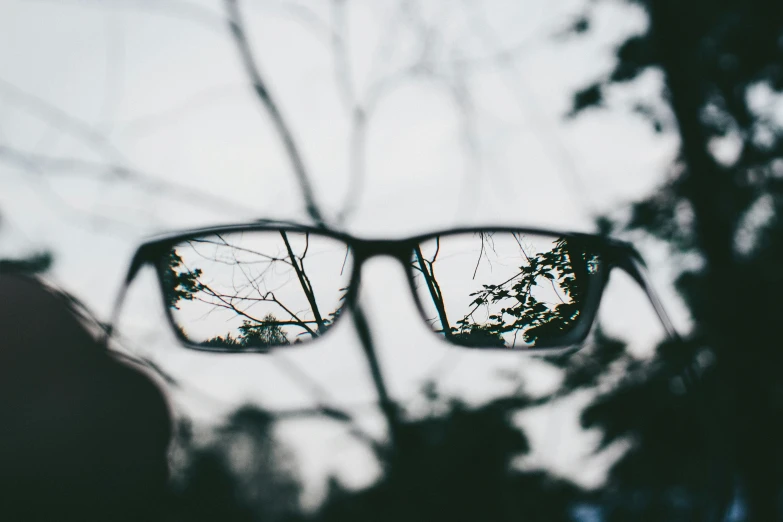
(140, 258)
(633, 264)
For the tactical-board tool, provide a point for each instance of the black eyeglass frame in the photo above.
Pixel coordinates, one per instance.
(613, 253)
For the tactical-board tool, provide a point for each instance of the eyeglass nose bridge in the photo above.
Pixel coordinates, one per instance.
(365, 249)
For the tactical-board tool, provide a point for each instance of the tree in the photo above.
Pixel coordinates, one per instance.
(716, 59)
(243, 475)
(458, 466)
(180, 282)
(253, 335)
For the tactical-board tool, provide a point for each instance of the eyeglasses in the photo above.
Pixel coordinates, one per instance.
(249, 288)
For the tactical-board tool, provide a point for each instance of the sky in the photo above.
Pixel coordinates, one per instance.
(125, 118)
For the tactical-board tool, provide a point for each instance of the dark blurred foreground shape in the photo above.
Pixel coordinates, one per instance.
(82, 436)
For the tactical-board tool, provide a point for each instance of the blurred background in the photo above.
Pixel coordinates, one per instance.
(656, 122)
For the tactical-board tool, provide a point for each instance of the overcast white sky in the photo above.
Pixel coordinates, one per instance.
(464, 101)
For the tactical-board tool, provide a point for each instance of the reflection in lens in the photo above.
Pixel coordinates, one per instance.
(255, 289)
(503, 289)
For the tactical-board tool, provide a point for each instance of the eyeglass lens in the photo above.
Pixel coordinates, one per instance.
(255, 289)
(502, 289)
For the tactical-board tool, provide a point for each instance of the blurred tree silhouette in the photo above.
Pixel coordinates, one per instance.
(455, 463)
(457, 466)
(696, 448)
(245, 475)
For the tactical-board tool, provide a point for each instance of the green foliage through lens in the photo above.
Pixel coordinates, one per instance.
(179, 282)
(564, 268)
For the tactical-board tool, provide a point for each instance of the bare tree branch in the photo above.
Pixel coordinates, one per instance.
(47, 165)
(237, 28)
(239, 34)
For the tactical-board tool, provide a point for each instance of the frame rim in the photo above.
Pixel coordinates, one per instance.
(572, 339)
(363, 249)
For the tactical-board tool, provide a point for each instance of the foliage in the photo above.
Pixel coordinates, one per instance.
(253, 335)
(457, 465)
(244, 475)
(564, 268)
(180, 282)
(454, 464)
